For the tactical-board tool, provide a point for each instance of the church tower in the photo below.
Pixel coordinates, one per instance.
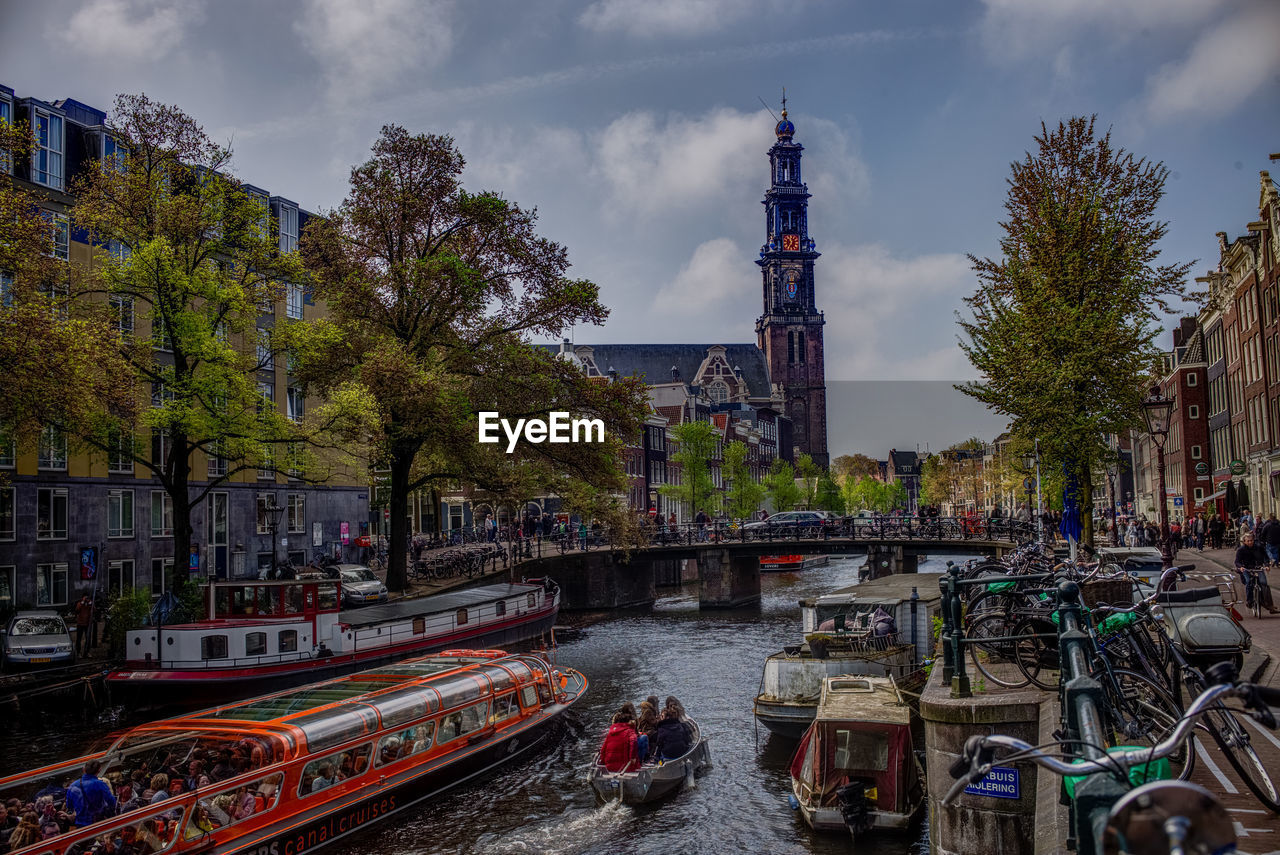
(790, 330)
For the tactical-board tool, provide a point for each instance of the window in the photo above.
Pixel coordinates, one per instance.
(46, 160)
(1199, 494)
(8, 498)
(500, 608)
(53, 449)
(288, 228)
(161, 336)
(266, 359)
(267, 464)
(161, 514)
(51, 513)
(296, 403)
(462, 617)
(266, 397)
(1193, 379)
(6, 118)
(719, 392)
(159, 447)
(297, 515)
(504, 707)
(61, 236)
(265, 502)
(328, 771)
(213, 647)
(1193, 412)
(216, 460)
(122, 315)
(120, 453)
(6, 587)
(51, 584)
(1195, 452)
(255, 644)
(120, 575)
(287, 640)
(8, 452)
(464, 721)
(213, 812)
(120, 513)
(160, 570)
(113, 154)
(406, 743)
(293, 301)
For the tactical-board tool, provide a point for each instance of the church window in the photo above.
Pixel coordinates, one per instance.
(719, 392)
(800, 345)
(791, 347)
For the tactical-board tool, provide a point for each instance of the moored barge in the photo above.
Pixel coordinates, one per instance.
(304, 767)
(285, 633)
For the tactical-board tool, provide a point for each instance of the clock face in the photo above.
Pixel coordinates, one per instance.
(791, 284)
(791, 243)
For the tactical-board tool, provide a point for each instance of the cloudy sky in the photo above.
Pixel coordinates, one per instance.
(636, 129)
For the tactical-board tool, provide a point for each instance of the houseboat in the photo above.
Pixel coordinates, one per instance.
(856, 768)
(298, 769)
(791, 563)
(281, 633)
(840, 635)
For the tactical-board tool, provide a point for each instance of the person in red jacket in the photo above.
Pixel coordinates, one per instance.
(618, 753)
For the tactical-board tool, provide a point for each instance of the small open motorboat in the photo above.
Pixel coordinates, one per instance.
(648, 783)
(856, 768)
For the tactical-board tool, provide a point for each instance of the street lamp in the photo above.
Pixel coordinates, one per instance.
(274, 511)
(1158, 410)
(1031, 463)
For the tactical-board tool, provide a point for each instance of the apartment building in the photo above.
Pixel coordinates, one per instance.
(74, 520)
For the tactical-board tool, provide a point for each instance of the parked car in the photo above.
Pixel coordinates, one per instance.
(360, 585)
(792, 519)
(36, 639)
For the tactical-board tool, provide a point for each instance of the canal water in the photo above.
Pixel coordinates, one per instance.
(712, 661)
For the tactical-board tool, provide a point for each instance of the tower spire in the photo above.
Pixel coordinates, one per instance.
(784, 102)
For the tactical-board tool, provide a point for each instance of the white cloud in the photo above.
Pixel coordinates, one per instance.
(367, 45)
(652, 166)
(129, 30)
(719, 277)
(666, 17)
(877, 321)
(1226, 65)
(1021, 29)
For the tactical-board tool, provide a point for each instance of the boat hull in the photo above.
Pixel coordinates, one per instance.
(830, 819)
(201, 687)
(651, 783)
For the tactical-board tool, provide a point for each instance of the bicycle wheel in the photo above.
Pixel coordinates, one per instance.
(1037, 654)
(1142, 713)
(1233, 738)
(992, 653)
(1257, 597)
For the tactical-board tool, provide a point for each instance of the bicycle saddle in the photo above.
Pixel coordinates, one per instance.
(1190, 595)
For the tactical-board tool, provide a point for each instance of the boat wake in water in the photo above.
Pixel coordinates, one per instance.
(572, 833)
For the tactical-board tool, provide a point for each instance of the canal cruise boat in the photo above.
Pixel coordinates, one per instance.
(790, 563)
(261, 635)
(301, 768)
(856, 768)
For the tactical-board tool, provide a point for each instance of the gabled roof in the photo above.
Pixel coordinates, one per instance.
(653, 362)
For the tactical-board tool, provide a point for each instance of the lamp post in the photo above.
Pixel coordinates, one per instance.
(1031, 464)
(274, 511)
(1158, 410)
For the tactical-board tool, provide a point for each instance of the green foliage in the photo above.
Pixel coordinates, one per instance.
(742, 494)
(829, 497)
(780, 485)
(808, 472)
(854, 466)
(696, 448)
(869, 494)
(1063, 323)
(129, 610)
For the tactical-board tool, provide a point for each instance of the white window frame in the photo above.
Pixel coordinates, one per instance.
(1195, 452)
(1193, 411)
(161, 337)
(9, 520)
(49, 151)
(119, 566)
(159, 447)
(56, 497)
(263, 523)
(288, 224)
(296, 403)
(163, 566)
(122, 314)
(266, 359)
(1192, 379)
(120, 456)
(216, 463)
(51, 454)
(48, 584)
(296, 512)
(6, 116)
(161, 513)
(120, 514)
(293, 301)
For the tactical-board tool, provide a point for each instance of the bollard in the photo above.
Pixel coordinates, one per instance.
(948, 663)
(959, 677)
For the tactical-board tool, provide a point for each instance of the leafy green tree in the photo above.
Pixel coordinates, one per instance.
(870, 494)
(434, 294)
(780, 485)
(1063, 322)
(937, 481)
(808, 471)
(193, 263)
(829, 497)
(697, 447)
(742, 494)
(854, 466)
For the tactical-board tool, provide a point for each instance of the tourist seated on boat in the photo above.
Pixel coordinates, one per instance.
(674, 737)
(327, 777)
(126, 799)
(674, 704)
(159, 787)
(26, 832)
(201, 824)
(618, 752)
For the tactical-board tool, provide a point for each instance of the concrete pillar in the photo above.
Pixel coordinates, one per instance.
(1031, 824)
(888, 559)
(598, 580)
(727, 581)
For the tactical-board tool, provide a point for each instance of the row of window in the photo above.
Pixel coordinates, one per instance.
(52, 581)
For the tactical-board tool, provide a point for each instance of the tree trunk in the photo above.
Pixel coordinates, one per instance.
(398, 539)
(1086, 511)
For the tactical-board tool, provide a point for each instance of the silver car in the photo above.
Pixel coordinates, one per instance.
(37, 638)
(360, 586)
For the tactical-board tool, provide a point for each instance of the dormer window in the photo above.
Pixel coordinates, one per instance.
(113, 153)
(6, 118)
(288, 225)
(46, 160)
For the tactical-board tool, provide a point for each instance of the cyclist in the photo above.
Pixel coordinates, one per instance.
(1251, 564)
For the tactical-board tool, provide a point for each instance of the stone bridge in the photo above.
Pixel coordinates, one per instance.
(604, 576)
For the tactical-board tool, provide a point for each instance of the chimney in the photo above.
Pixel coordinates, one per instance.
(675, 374)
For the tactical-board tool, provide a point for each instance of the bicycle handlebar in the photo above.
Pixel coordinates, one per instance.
(979, 751)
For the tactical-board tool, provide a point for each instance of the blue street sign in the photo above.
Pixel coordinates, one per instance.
(1000, 783)
(1177, 501)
